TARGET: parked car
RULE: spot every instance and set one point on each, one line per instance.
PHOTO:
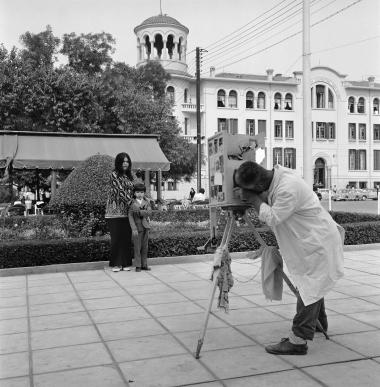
(372, 194)
(341, 194)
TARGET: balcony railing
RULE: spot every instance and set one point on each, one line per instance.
(191, 107)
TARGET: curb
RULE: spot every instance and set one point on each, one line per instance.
(103, 265)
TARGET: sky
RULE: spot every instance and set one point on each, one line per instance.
(348, 42)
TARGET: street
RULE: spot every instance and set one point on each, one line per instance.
(367, 206)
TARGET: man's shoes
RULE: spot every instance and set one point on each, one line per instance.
(138, 269)
(146, 268)
(126, 268)
(285, 347)
(115, 269)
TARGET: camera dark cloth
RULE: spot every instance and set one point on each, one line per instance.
(121, 242)
(305, 320)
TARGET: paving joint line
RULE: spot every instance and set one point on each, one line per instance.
(29, 333)
(114, 362)
(216, 378)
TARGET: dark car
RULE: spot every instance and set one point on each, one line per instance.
(315, 189)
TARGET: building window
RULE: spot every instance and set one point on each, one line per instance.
(232, 99)
(277, 101)
(376, 106)
(233, 125)
(289, 129)
(351, 184)
(262, 127)
(249, 100)
(331, 130)
(376, 160)
(278, 129)
(221, 98)
(277, 156)
(321, 96)
(261, 100)
(362, 132)
(250, 127)
(351, 105)
(170, 94)
(357, 160)
(172, 186)
(312, 130)
(185, 95)
(290, 158)
(362, 184)
(361, 105)
(186, 126)
(222, 125)
(229, 125)
(320, 130)
(376, 132)
(288, 102)
(330, 99)
(351, 131)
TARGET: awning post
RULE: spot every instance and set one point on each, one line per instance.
(53, 184)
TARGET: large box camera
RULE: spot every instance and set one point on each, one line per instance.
(226, 152)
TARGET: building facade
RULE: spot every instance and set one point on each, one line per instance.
(345, 114)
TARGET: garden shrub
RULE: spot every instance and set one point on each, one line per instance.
(81, 199)
(353, 217)
(35, 253)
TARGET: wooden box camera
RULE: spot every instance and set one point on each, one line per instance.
(226, 152)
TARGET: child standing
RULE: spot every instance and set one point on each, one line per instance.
(139, 212)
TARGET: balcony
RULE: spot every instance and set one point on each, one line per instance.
(191, 107)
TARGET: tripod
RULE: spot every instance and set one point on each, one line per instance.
(231, 211)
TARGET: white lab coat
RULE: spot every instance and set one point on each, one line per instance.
(308, 237)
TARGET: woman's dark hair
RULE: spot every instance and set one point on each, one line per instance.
(119, 164)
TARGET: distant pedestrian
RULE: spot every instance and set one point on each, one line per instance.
(139, 213)
(119, 199)
(192, 193)
(200, 196)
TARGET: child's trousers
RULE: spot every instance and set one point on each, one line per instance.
(140, 247)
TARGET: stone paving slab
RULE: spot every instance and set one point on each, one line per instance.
(99, 328)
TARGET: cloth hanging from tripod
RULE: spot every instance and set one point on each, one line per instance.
(271, 276)
(225, 279)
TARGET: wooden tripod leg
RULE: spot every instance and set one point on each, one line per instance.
(226, 237)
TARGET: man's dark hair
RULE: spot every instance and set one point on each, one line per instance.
(119, 164)
(249, 171)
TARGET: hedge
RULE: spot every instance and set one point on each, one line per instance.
(36, 253)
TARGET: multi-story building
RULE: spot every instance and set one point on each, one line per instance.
(345, 114)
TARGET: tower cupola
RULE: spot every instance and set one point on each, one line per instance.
(164, 39)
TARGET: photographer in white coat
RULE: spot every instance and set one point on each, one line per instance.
(309, 240)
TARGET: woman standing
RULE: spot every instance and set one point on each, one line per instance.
(119, 199)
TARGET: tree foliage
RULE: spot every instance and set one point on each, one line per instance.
(91, 94)
(88, 52)
(40, 48)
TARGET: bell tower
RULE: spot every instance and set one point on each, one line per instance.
(164, 39)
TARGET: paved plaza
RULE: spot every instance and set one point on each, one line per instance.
(97, 328)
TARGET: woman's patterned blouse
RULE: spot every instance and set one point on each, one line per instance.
(120, 196)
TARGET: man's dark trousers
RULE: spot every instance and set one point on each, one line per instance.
(305, 320)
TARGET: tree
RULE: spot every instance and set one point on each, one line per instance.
(40, 48)
(154, 76)
(88, 53)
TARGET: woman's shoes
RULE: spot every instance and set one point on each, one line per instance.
(115, 269)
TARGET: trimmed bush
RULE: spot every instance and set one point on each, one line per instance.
(353, 217)
(82, 197)
(35, 253)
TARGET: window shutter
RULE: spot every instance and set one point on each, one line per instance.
(294, 158)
